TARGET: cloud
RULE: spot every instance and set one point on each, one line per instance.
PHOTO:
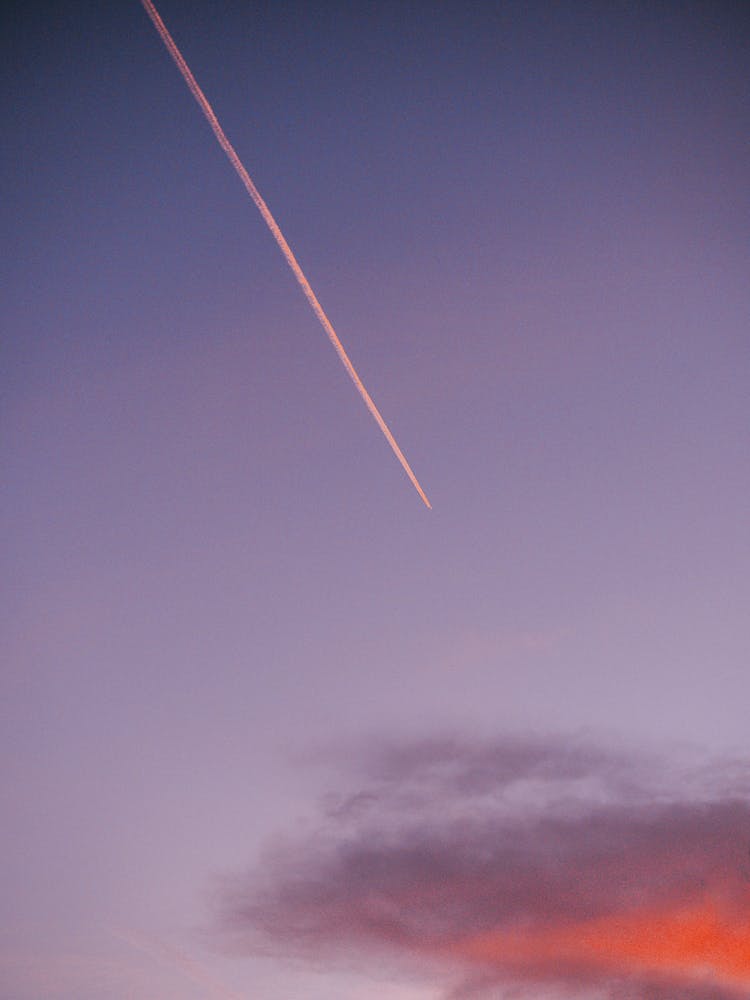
(522, 867)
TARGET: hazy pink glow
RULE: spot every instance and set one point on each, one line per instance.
(235, 655)
(279, 237)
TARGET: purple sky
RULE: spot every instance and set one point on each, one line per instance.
(529, 224)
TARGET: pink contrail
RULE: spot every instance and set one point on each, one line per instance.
(160, 950)
(269, 220)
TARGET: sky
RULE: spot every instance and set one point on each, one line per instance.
(270, 727)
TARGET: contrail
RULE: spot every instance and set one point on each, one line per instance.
(269, 220)
(160, 950)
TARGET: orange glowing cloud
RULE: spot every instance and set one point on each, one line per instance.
(684, 942)
(522, 865)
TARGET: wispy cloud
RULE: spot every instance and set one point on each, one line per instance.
(178, 959)
(525, 866)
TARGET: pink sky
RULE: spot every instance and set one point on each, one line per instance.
(528, 223)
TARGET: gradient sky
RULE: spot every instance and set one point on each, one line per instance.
(529, 224)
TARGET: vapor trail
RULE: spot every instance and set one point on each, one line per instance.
(161, 951)
(269, 220)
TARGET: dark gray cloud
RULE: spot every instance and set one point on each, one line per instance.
(523, 862)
